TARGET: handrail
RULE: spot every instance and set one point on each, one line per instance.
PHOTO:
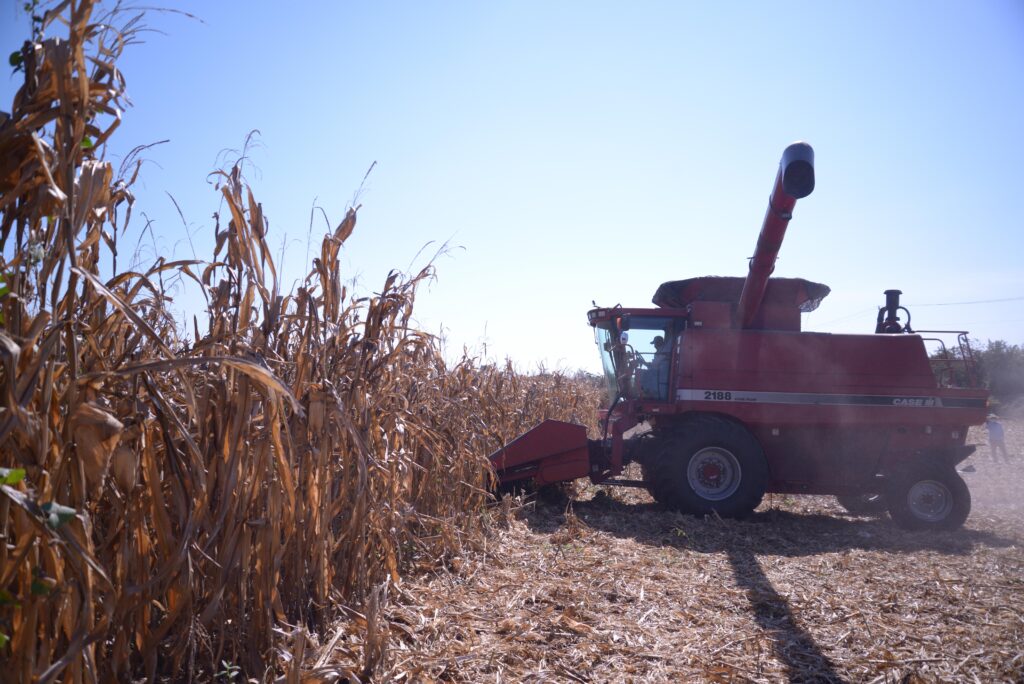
(948, 362)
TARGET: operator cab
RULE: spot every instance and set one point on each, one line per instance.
(635, 369)
(638, 352)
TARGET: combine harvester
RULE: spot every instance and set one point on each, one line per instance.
(721, 398)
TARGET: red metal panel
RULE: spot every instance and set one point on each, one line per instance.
(876, 371)
(565, 466)
(773, 316)
(711, 314)
(805, 362)
(551, 452)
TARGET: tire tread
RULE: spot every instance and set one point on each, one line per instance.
(665, 466)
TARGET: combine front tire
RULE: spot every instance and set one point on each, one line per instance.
(707, 465)
(931, 496)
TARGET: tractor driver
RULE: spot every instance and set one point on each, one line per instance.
(655, 378)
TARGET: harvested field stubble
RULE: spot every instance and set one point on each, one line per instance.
(172, 506)
(611, 588)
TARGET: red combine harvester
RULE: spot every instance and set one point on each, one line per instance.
(720, 397)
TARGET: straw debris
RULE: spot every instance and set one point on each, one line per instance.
(614, 588)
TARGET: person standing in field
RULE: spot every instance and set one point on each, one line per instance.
(996, 437)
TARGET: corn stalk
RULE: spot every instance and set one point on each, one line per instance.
(174, 502)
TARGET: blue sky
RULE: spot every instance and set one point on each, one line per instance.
(580, 151)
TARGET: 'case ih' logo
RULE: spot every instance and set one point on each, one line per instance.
(914, 401)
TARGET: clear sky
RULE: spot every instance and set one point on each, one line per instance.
(579, 151)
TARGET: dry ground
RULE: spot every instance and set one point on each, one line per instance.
(612, 588)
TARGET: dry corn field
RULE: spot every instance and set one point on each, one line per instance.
(192, 504)
(295, 488)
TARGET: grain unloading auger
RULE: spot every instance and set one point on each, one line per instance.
(721, 397)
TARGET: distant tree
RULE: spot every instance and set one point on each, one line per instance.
(1000, 367)
(1002, 370)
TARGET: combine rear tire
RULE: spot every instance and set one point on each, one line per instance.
(708, 465)
(862, 504)
(929, 497)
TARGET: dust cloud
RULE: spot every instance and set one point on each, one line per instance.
(996, 485)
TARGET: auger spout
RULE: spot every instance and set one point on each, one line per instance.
(795, 180)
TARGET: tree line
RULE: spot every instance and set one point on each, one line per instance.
(1001, 367)
(998, 366)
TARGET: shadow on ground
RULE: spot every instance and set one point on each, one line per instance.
(767, 533)
(772, 532)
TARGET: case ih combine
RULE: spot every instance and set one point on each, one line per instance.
(721, 397)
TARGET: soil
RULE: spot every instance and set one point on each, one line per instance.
(608, 587)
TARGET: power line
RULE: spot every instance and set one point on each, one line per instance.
(865, 311)
(980, 301)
